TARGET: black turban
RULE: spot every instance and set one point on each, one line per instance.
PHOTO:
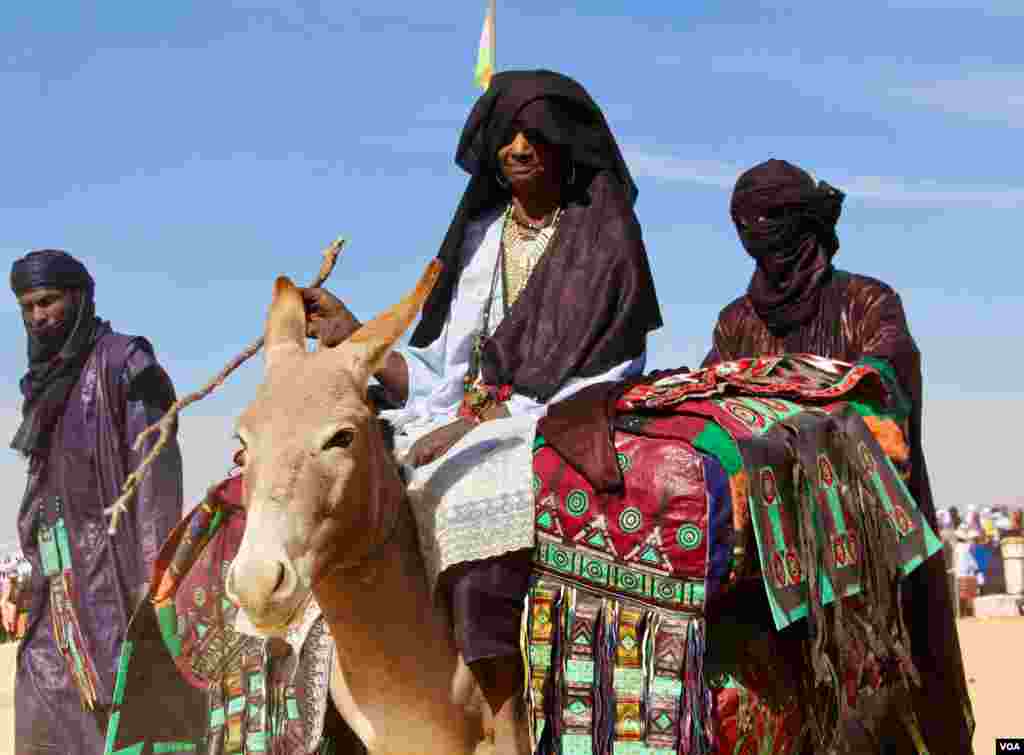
(54, 364)
(48, 268)
(787, 223)
(551, 104)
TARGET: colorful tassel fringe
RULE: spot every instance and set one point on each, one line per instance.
(606, 676)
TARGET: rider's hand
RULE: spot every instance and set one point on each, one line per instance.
(9, 613)
(327, 318)
(495, 411)
(436, 443)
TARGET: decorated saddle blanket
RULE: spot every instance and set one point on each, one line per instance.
(809, 444)
(789, 468)
(614, 631)
(249, 694)
(763, 420)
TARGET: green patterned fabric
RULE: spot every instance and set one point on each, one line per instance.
(803, 471)
(233, 696)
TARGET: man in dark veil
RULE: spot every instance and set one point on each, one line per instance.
(798, 302)
(546, 289)
(88, 393)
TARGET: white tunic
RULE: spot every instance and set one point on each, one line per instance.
(475, 502)
(437, 370)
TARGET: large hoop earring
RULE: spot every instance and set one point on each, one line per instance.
(500, 179)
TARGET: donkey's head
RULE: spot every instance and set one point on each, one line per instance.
(319, 480)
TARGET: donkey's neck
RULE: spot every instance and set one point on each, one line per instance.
(396, 650)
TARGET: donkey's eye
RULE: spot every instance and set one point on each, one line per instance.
(341, 439)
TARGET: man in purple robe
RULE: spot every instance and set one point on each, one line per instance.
(88, 393)
(797, 302)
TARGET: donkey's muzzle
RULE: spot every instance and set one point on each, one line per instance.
(265, 588)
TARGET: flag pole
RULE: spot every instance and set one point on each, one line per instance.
(485, 59)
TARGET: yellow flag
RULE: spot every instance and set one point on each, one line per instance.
(485, 57)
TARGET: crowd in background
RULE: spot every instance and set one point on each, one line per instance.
(974, 556)
(15, 571)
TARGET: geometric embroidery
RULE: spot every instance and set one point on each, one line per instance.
(253, 699)
(785, 568)
(547, 516)
(627, 544)
(630, 520)
(632, 692)
(689, 536)
(594, 538)
(825, 470)
(617, 591)
(844, 550)
(778, 495)
(648, 554)
(577, 502)
(744, 414)
(769, 489)
(590, 568)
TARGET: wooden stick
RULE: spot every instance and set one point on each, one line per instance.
(166, 423)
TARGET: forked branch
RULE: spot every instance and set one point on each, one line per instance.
(166, 424)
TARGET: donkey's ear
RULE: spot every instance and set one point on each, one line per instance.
(285, 332)
(367, 349)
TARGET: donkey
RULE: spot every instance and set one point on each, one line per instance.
(328, 518)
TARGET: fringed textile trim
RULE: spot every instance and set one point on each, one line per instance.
(834, 520)
(55, 553)
(606, 675)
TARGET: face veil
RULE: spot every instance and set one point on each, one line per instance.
(787, 222)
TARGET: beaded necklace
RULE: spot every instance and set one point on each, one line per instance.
(529, 244)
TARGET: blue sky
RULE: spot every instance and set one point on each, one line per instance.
(191, 152)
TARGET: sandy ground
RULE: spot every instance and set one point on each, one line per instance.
(993, 654)
(994, 660)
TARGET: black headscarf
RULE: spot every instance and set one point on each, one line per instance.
(558, 328)
(54, 362)
(787, 223)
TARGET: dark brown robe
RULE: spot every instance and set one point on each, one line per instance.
(862, 317)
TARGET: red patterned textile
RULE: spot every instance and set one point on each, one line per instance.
(658, 529)
(615, 635)
(259, 696)
(746, 726)
(802, 377)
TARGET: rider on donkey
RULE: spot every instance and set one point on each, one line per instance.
(797, 302)
(546, 289)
